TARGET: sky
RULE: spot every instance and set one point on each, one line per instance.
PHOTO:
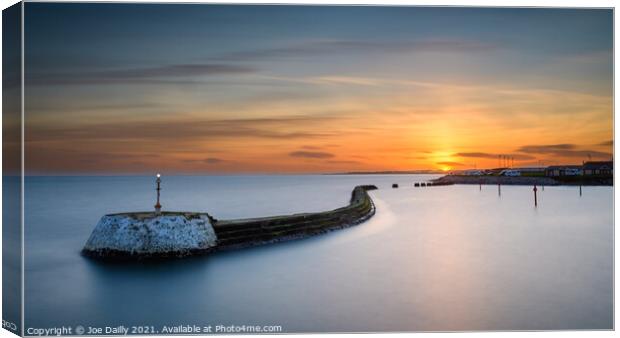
(233, 89)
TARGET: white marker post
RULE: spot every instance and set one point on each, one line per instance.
(158, 206)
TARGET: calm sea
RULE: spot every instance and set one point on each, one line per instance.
(440, 258)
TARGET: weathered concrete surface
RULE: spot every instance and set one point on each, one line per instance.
(149, 235)
(177, 234)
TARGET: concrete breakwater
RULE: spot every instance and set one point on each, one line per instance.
(176, 234)
(247, 232)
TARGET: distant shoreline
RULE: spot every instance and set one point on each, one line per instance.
(526, 180)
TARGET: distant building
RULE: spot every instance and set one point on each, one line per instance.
(563, 170)
(494, 171)
(511, 172)
(531, 170)
(473, 172)
(605, 168)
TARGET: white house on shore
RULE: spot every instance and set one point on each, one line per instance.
(510, 172)
(522, 171)
(563, 170)
(473, 172)
(604, 168)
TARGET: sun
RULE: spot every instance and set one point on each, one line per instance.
(445, 169)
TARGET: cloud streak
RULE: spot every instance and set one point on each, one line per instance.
(344, 162)
(547, 149)
(280, 128)
(331, 47)
(311, 154)
(563, 150)
(213, 160)
(176, 73)
(208, 160)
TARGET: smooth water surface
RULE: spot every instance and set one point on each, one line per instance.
(439, 258)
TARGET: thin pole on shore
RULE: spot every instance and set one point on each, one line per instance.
(499, 190)
(480, 186)
(579, 190)
(543, 187)
(158, 206)
(535, 198)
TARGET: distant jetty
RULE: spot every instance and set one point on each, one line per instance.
(140, 235)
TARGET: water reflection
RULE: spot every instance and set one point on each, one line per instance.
(439, 258)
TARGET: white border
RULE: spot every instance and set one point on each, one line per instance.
(469, 3)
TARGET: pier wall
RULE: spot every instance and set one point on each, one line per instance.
(138, 235)
(249, 232)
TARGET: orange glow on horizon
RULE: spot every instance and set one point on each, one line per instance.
(407, 133)
(300, 96)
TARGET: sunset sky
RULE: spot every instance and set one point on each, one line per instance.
(190, 89)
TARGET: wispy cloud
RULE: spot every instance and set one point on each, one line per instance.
(214, 160)
(546, 148)
(344, 162)
(61, 156)
(311, 147)
(97, 107)
(477, 155)
(208, 160)
(176, 73)
(285, 127)
(330, 47)
(345, 80)
(311, 154)
(563, 150)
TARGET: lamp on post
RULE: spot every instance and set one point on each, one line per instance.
(158, 206)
